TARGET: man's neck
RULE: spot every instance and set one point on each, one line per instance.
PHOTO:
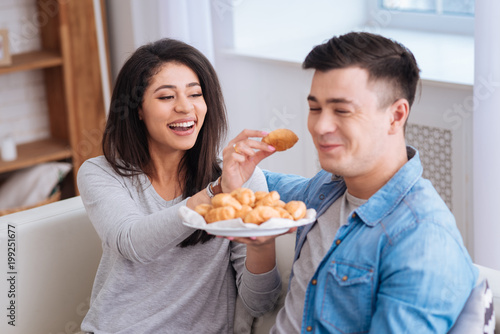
(364, 186)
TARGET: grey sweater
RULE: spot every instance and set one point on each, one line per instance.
(145, 283)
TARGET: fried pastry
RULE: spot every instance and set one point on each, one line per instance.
(223, 199)
(281, 139)
(245, 209)
(202, 209)
(279, 203)
(260, 195)
(261, 214)
(297, 209)
(283, 213)
(244, 195)
(270, 199)
(252, 207)
(220, 213)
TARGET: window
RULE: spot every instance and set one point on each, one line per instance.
(447, 16)
(438, 7)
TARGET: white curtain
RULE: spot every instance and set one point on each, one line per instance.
(189, 21)
(486, 134)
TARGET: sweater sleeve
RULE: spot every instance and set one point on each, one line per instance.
(119, 220)
(259, 292)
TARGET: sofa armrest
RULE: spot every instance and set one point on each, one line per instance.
(56, 252)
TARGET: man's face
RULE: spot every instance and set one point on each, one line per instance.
(349, 128)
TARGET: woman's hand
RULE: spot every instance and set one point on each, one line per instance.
(241, 156)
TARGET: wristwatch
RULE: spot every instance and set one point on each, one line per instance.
(214, 188)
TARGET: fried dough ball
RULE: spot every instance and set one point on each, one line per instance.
(244, 195)
(202, 209)
(245, 209)
(269, 199)
(220, 213)
(297, 209)
(251, 207)
(283, 213)
(223, 199)
(260, 195)
(279, 203)
(281, 139)
(261, 214)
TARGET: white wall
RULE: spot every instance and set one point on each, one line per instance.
(258, 22)
(486, 119)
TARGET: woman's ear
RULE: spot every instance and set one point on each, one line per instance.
(399, 114)
(140, 114)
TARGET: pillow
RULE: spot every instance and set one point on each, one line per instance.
(478, 315)
(31, 185)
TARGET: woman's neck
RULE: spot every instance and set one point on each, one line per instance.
(163, 172)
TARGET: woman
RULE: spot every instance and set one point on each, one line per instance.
(160, 146)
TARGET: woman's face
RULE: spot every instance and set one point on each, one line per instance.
(173, 109)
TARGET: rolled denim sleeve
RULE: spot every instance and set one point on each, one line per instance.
(425, 280)
(290, 187)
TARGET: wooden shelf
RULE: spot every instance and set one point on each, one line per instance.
(32, 61)
(30, 154)
(70, 59)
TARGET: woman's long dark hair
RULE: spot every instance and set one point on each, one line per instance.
(125, 140)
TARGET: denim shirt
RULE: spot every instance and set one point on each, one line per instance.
(399, 264)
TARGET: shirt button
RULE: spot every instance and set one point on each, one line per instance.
(338, 242)
(321, 197)
(309, 328)
(314, 282)
(344, 278)
(353, 215)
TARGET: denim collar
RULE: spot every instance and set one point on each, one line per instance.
(390, 195)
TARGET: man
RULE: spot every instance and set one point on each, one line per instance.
(384, 255)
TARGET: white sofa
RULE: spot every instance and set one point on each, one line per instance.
(57, 253)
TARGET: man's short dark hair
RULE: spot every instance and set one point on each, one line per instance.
(384, 59)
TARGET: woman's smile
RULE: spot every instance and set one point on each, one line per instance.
(182, 128)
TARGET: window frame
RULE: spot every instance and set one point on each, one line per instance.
(395, 19)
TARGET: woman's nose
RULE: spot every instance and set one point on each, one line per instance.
(183, 105)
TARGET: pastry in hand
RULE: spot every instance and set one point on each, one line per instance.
(220, 213)
(297, 209)
(281, 139)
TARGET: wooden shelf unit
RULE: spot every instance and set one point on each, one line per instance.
(33, 61)
(69, 59)
(36, 152)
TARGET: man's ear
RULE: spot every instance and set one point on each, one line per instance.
(399, 111)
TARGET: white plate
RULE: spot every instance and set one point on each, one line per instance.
(237, 228)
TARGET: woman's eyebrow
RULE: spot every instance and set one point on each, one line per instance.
(191, 84)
